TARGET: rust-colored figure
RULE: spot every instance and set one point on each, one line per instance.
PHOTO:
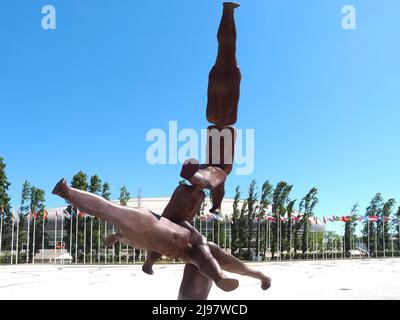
(171, 234)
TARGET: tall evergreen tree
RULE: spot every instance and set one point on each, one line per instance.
(307, 206)
(235, 222)
(265, 202)
(396, 226)
(5, 207)
(37, 207)
(350, 227)
(80, 182)
(95, 184)
(252, 210)
(242, 229)
(23, 214)
(280, 200)
(124, 196)
(105, 192)
(374, 209)
(384, 225)
(289, 225)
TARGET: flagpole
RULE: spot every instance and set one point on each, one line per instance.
(62, 238)
(12, 238)
(369, 250)
(113, 252)
(34, 238)
(307, 238)
(70, 235)
(279, 233)
(206, 229)
(290, 241)
(376, 241)
(43, 236)
(27, 238)
(84, 238)
(258, 238)
(213, 230)
(105, 247)
(76, 235)
(119, 253)
(383, 236)
(55, 238)
(17, 244)
(1, 228)
(218, 232)
(98, 242)
(225, 234)
(91, 239)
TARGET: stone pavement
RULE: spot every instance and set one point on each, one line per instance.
(341, 279)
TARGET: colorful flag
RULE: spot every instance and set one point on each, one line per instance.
(270, 218)
(283, 219)
(373, 218)
(81, 214)
(325, 222)
(216, 217)
(67, 213)
(35, 215)
(45, 215)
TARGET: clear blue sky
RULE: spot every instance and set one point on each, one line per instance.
(324, 102)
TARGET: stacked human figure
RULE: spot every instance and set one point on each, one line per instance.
(171, 234)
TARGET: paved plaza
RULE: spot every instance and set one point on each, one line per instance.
(348, 279)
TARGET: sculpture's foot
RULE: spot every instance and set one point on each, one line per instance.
(227, 284)
(148, 267)
(60, 188)
(231, 5)
(266, 283)
(216, 210)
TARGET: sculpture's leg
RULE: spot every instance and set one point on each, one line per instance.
(217, 195)
(200, 256)
(224, 79)
(89, 202)
(231, 264)
(227, 35)
(142, 228)
(194, 285)
(152, 257)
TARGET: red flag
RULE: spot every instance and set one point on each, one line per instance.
(35, 215)
(325, 220)
(373, 218)
(270, 218)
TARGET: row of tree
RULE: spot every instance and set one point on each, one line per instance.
(252, 234)
(249, 233)
(33, 204)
